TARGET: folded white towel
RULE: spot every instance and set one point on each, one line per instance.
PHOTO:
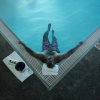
(50, 71)
(11, 60)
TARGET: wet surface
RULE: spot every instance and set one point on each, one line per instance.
(81, 83)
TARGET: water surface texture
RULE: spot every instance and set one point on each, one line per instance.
(72, 20)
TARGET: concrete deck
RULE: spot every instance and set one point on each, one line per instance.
(81, 83)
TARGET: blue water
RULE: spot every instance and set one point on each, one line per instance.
(72, 20)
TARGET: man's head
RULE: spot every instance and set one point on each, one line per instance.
(50, 57)
(50, 61)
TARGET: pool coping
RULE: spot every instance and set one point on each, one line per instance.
(36, 65)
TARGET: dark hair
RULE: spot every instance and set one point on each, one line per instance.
(50, 65)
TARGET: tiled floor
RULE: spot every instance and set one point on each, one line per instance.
(81, 83)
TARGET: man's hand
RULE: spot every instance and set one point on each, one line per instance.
(80, 43)
(20, 42)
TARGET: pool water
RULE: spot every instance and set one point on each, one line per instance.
(72, 20)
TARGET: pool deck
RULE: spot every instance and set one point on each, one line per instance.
(64, 67)
(82, 82)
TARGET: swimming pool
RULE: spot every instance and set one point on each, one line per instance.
(72, 20)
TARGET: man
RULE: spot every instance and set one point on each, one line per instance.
(50, 52)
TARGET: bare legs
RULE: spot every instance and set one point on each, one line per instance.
(46, 43)
(54, 43)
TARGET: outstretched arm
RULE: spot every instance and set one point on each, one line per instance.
(32, 53)
(67, 54)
